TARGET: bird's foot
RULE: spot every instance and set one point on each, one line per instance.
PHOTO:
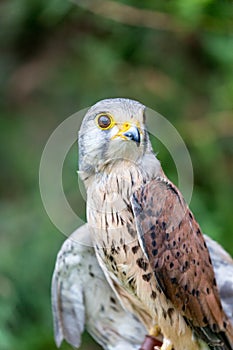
(167, 344)
(155, 331)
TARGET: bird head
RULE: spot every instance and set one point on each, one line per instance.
(112, 130)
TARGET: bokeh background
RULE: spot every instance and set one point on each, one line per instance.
(58, 57)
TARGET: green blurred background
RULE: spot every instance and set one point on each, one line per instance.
(58, 57)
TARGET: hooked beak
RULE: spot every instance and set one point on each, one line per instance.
(130, 132)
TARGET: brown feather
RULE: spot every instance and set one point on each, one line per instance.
(179, 256)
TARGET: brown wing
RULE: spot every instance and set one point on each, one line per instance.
(174, 244)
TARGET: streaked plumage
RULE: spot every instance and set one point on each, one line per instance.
(122, 176)
(78, 279)
(81, 297)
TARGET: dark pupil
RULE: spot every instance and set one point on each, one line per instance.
(104, 121)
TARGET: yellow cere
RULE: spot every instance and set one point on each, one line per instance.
(127, 125)
(123, 127)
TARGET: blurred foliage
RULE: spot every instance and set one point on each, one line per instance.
(58, 57)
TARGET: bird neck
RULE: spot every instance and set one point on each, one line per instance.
(145, 169)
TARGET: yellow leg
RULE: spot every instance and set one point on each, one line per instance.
(167, 344)
(155, 331)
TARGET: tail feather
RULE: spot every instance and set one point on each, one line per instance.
(215, 340)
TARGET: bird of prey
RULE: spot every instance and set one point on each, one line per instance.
(81, 296)
(146, 239)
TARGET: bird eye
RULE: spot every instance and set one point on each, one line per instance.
(105, 121)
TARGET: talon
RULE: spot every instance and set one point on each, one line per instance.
(167, 344)
(155, 331)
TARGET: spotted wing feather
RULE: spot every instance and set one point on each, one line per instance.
(67, 294)
(82, 298)
(178, 254)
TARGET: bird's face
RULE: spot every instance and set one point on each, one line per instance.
(112, 130)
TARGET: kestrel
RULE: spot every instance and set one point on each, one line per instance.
(146, 239)
(81, 295)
